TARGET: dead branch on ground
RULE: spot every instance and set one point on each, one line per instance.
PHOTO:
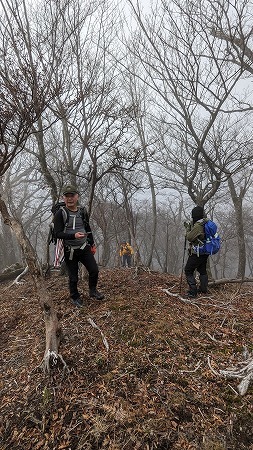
(94, 325)
(243, 372)
(18, 278)
(184, 300)
(10, 275)
(230, 280)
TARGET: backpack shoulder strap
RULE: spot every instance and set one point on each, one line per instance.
(84, 214)
(65, 215)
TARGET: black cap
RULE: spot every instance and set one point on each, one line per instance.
(197, 213)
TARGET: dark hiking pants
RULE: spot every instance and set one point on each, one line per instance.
(198, 263)
(126, 260)
(85, 257)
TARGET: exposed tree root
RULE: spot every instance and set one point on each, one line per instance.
(51, 360)
(140, 268)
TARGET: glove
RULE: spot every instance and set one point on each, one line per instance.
(93, 249)
(187, 226)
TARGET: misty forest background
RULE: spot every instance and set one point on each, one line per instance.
(147, 107)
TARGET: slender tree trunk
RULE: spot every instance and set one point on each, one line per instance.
(152, 189)
(165, 269)
(237, 201)
(141, 133)
(132, 232)
(38, 133)
(106, 251)
(53, 331)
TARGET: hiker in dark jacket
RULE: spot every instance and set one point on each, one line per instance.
(195, 235)
(78, 244)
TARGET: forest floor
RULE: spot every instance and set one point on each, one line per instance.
(147, 378)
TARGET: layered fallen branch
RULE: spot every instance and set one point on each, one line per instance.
(211, 303)
(245, 374)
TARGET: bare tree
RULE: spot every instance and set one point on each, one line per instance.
(238, 190)
(95, 118)
(231, 22)
(25, 93)
(195, 96)
(140, 114)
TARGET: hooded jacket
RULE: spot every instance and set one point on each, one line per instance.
(196, 235)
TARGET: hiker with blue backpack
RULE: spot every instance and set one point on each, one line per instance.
(71, 224)
(203, 241)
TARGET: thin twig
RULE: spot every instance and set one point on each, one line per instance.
(210, 367)
(94, 325)
(194, 370)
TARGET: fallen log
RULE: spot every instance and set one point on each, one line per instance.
(11, 275)
(230, 280)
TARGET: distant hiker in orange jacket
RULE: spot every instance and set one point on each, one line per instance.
(126, 252)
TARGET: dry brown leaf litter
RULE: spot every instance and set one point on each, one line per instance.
(150, 388)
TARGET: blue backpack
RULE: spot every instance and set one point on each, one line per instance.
(212, 242)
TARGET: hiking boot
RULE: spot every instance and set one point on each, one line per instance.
(95, 294)
(200, 291)
(191, 294)
(77, 302)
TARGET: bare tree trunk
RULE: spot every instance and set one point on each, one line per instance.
(53, 331)
(39, 135)
(140, 129)
(166, 262)
(132, 232)
(237, 201)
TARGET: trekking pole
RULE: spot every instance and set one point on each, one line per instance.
(181, 278)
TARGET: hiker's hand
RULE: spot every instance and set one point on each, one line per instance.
(93, 249)
(187, 226)
(79, 235)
